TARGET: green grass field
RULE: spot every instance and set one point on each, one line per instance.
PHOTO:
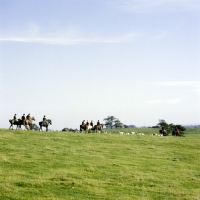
(59, 165)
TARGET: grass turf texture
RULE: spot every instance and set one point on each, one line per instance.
(59, 165)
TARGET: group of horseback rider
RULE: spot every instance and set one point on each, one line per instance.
(27, 122)
(89, 123)
(90, 126)
(176, 131)
(23, 117)
(28, 117)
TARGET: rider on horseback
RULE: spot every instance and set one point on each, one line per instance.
(177, 130)
(44, 120)
(23, 118)
(91, 123)
(163, 131)
(15, 118)
(28, 116)
(83, 123)
(98, 123)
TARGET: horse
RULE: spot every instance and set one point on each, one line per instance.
(20, 123)
(13, 122)
(28, 122)
(85, 127)
(97, 127)
(177, 133)
(82, 127)
(45, 124)
(163, 132)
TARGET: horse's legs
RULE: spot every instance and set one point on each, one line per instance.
(26, 126)
(82, 128)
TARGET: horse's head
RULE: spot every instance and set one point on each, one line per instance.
(33, 118)
(50, 122)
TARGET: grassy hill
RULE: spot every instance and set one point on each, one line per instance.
(59, 165)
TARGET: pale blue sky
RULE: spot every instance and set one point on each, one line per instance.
(89, 59)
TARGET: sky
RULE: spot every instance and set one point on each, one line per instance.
(137, 60)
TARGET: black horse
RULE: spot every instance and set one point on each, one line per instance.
(45, 124)
(177, 133)
(163, 132)
(82, 127)
(13, 122)
(18, 123)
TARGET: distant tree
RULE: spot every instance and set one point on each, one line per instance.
(131, 126)
(162, 123)
(125, 126)
(109, 121)
(155, 126)
(35, 127)
(118, 124)
(180, 127)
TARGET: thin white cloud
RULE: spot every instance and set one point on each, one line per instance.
(66, 37)
(148, 6)
(69, 41)
(165, 101)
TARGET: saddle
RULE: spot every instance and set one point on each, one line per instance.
(44, 123)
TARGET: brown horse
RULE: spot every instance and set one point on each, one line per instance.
(28, 122)
(97, 127)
